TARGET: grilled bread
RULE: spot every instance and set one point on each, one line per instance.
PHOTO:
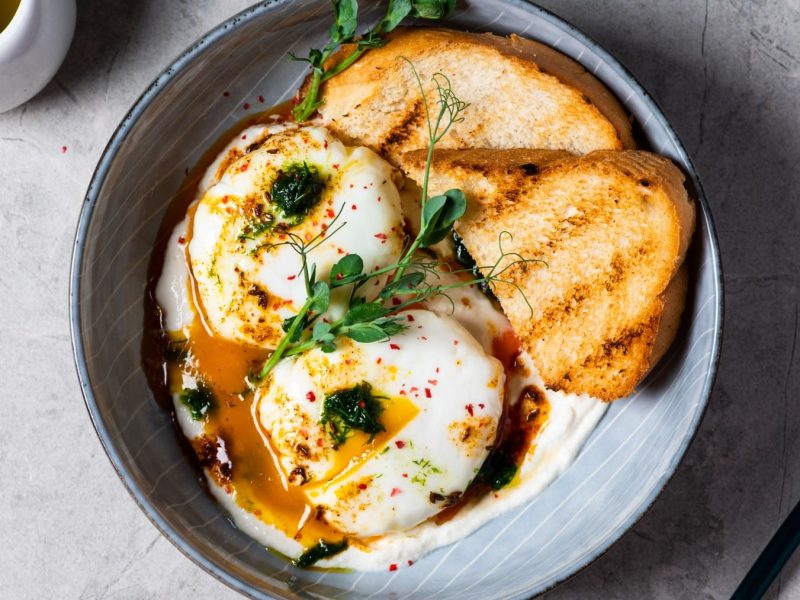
(521, 94)
(610, 230)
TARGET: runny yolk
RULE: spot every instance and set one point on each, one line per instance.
(358, 449)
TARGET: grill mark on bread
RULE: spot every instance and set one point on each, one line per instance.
(404, 129)
(622, 343)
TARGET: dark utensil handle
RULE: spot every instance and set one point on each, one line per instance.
(771, 560)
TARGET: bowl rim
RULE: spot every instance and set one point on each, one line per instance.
(228, 27)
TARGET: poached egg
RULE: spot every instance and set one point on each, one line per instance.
(243, 250)
(441, 398)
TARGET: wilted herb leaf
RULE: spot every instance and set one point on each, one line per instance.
(322, 549)
(199, 400)
(354, 408)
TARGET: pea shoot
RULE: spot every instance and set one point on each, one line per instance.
(343, 32)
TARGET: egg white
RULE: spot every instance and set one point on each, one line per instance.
(248, 287)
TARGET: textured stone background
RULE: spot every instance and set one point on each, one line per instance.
(726, 72)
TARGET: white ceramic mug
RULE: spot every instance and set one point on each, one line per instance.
(32, 47)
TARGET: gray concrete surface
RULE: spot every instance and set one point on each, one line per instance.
(726, 72)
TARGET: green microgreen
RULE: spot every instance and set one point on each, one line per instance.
(343, 31)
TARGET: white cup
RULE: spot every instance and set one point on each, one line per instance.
(32, 47)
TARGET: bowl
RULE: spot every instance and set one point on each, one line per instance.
(624, 464)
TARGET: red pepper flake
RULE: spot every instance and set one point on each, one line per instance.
(366, 187)
(339, 276)
(403, 393)
(261, 99)
(395, 491)
(244, 136)
(481, 406)
(455, 342)
(335, 166)
(226, 94)
(410, 562)
(433, 381)
(325, 144)
(400, 443)
(354, 207)
(413, 389)
(361, 404)
(379, 198)
(427, 392)
(469, 410)
(330, 213)
(324, 226)
(319, 442)
(362, 486)
(423, 338)
(181, 240)
(381, 236)
(244, 167)
(437, 369)
(394, 346)
(352, 186)
(393, 567)
(379, 361)
(396, 301)
(340, 251)
(246, 106)
(63, 149)
(291, 277)
(311, 397)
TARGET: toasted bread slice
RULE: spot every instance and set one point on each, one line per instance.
(610, 228)
(521, 94)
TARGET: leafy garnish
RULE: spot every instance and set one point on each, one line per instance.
(426, 469)
(343, 31)
(498, 469)
(256, 228)
(199, 400)
(354, 408)
(322, 549)
(465, 259)
(296, 189)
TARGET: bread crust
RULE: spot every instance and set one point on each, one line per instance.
(611, 230)
(521, 94)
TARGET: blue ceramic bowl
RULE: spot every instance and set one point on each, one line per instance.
(625, 463)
